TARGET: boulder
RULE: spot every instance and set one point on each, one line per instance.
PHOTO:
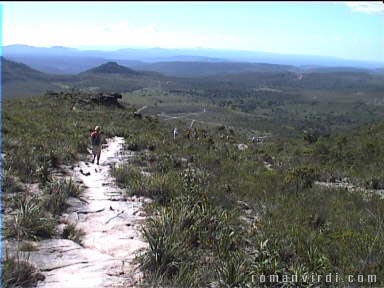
(107, 99)
(242, 147)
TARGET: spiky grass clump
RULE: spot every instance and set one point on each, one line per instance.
(129, 177)
(19, 273)
(158, 187)
(56, 194)
(72, 233)
(29, 221)
(183, 233)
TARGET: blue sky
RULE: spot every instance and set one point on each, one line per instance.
(352, 30)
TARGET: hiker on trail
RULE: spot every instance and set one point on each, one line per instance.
(175, 133)
(96, 144)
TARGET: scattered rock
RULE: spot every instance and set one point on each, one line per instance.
(243, 205)
(85, 174)
(242, 147)
(90, 211)
(71, 218)
(60, 228)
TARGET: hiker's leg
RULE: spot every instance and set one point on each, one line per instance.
(94, 152)
(98, 154)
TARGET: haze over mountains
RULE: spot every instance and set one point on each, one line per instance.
(21, 80)
(172, 62)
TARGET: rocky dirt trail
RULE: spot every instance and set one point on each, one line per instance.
(350, 187)
(339, 184)
(111, 225)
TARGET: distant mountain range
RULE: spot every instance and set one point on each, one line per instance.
(20, 80)
(172, 62)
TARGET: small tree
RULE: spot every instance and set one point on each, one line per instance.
(302, 177)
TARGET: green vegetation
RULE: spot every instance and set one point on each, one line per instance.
(230, 218)
(29, 221)
(40, 135)
(220, 216)
(72, 233)
(56, 193)
(18, 273)
(355, 155)
(280, 99)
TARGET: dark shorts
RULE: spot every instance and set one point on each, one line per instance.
(96, 149)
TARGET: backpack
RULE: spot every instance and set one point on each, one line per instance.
(95, 138)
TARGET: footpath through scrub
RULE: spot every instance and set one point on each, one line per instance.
(110, 222)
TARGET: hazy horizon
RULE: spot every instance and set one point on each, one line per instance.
(349, 30)
(112, 49)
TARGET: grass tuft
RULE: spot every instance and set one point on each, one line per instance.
(29, 221)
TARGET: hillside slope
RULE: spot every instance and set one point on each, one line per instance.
(19, 80)
(202, 69)
(224, 208)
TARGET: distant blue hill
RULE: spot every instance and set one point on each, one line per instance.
(65, 60)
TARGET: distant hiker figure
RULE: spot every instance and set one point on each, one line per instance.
(175, 133)
(189, 130)
(96, 144)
